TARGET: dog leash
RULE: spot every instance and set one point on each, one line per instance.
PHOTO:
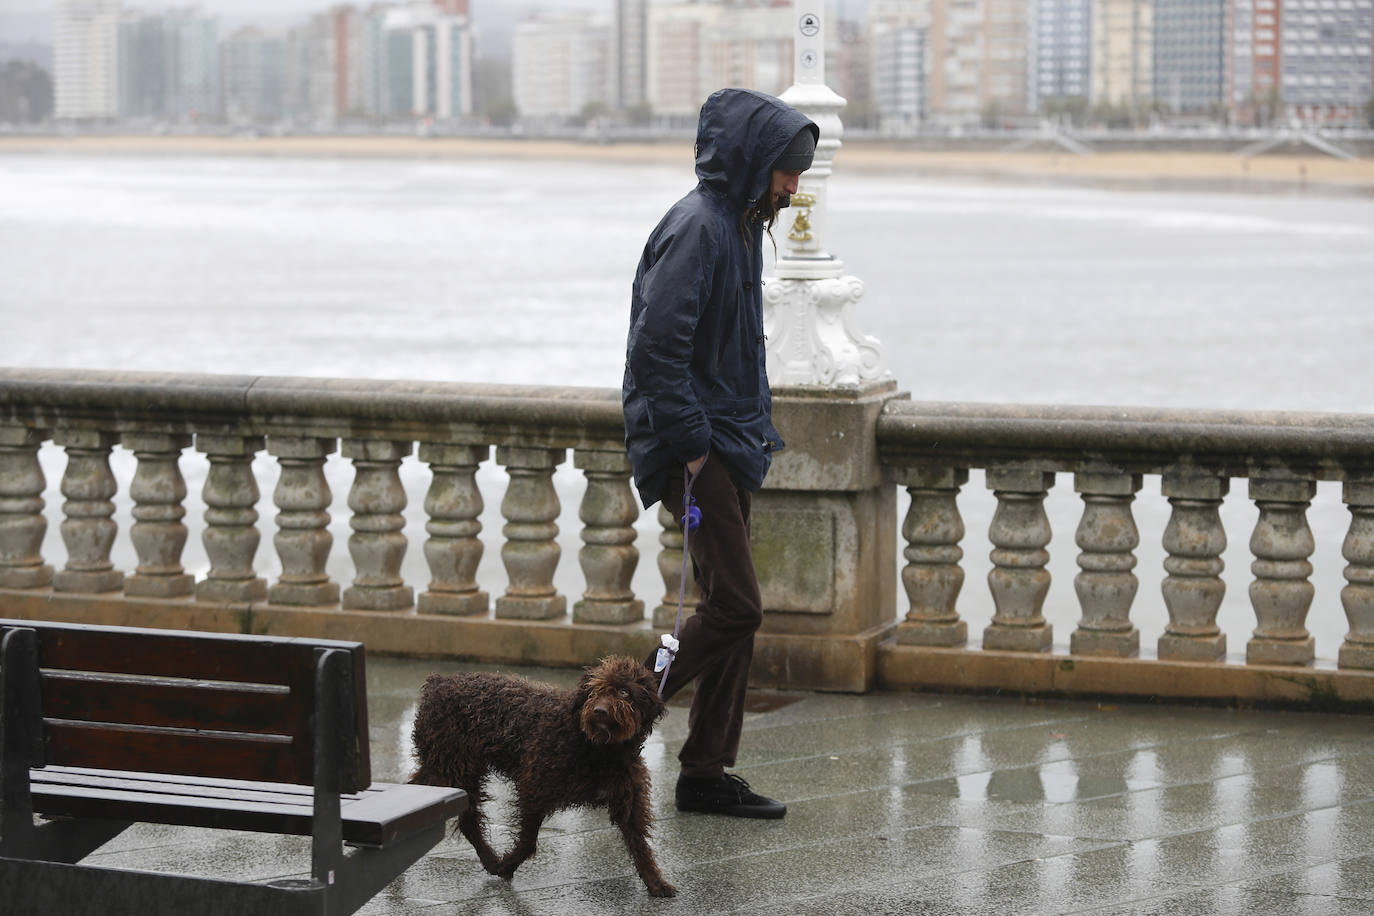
(691, 520)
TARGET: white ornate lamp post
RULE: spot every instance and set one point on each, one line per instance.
(808, 305)
(824, 527)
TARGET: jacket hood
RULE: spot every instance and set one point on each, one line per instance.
(740, 135)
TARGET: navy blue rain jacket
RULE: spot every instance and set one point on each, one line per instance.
(695, 381)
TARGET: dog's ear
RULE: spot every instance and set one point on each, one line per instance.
(583, 691)
(650, 704)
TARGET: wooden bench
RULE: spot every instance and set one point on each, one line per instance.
(104, 727)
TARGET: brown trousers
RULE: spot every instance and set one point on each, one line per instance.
(717, 641)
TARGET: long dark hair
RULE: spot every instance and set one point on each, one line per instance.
(764, 213)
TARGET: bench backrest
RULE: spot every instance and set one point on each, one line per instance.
(195, 704)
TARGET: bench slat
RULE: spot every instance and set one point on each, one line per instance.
(175, 784)
(267, 758)
(216, 706)
(375, 817)
(172, 654)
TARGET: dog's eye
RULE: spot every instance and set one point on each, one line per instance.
(624, 694)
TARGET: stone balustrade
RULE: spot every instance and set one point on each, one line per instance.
(1110, 453)
(855, 597)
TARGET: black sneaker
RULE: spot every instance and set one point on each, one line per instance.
(728, 794)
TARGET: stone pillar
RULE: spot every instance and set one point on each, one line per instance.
(1193, 588)
(932, 576)
(530, 553)
(231, 536)
(22, 524)
(670, 568)
(1281, 593)
(158, 534)
(1020, 531)
(377, 544)
(453, 551)
(608, 557)
(302, 539)
(88, 529)
(1358, 595)
(1106, 587)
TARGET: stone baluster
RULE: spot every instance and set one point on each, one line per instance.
(1281, 593)
(88, 529)
(1020, 531)
(302, 539)
(670, 568)
(1358, 595)
(22, 524)
(453, 550)
(608, 557)
(530, 553)
(1107, 538)
(1193, 588)
(158, 534)
(932, 576)
(231, 536)
(377, 545)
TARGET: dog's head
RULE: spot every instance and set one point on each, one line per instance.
(618, 701)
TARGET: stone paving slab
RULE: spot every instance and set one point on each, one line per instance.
(915, 803)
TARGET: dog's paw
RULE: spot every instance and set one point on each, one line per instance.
(662, 889)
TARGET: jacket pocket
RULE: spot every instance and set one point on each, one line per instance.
(737, 408)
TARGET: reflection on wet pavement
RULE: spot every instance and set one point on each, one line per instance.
(915, 803)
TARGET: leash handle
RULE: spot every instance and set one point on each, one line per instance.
(691, 518)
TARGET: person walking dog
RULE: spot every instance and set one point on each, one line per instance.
(698, 411)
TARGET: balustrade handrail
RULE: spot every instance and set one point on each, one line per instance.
(1332, 446)
(544, 415)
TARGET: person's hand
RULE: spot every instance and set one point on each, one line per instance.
(693, 467)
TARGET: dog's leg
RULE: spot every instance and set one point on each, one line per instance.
(470, 825)
(531, 819)
(631, 812)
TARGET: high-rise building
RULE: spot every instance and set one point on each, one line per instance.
(193, 90)
(899, 77)
(630, 37)
(957, 46)
(677, 82)
(253, 67)
(86, 59)
(144, 66)
(561, 64)
(1059, 52)
(414, 62)
(1324, 71)
(310, 71)
(1189, 65)
(1122, 54)
(1252, 66)
(696, 48)
(1004, 91)
(848, 70)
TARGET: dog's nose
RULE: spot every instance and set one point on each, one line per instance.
(601, 709)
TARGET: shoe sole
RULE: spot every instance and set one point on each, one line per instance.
(769, 814)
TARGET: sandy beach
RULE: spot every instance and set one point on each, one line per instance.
(1147, 168)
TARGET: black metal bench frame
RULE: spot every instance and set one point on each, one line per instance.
(104, 727)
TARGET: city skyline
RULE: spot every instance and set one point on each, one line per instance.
(907, 66)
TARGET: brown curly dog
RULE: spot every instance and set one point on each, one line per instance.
(561, 749)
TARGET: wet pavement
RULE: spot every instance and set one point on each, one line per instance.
(914, 803)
